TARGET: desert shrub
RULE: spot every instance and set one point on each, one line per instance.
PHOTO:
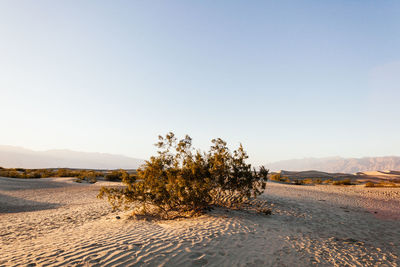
(46, 173)
(370, 184)
(381, 184)
(33, 174)
(275, 177)
(62, 173)
(309, 181)
(342, 182)
(298, 182)
(117, 175)
(88, 176)
(12, 174)
(183, 180)
(27, 173)
(279, 178)
(67, 173)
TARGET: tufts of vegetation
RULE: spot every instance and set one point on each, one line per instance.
(298, 182)
(46, 173)
(381, 184)
(117, 175)
(184, 181)
(343, 182)
(68, 173)
(88, 176)
(317, 181)
(307, 181)
(279, 178)
(26, 173)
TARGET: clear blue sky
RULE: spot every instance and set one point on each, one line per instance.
(288, 79)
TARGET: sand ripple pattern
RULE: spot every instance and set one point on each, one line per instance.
(309, 227)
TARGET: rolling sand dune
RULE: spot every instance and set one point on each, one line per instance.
(384, 175)
(57, 222)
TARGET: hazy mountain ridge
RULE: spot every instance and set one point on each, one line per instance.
(13, 157)
(338, 164)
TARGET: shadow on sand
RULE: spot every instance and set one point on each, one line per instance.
(9, 204)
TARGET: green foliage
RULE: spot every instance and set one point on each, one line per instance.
(276, 177)
(67, 173)
(298, 182)
(279, 178)
(33, 174)
(26, 173)
(117, 175)
(311, 181)
(317, 181)
(370, 184)
(181, 179)
(342, 182)
(45, 173)
(88, 176)
(382, 184)
(11, 173)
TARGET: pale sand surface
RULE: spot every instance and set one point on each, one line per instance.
(58, 222)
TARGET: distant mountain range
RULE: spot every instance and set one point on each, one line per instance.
(338, 164)
(17, 157)
(13, 157)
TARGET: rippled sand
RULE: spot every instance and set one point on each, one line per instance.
(59, 222)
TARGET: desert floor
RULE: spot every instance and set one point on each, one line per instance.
(58, 222)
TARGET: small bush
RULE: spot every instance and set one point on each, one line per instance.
(68, 173)
(318, 181)
(117, 175)
(308, 181)
(33, 174)
(381, 184)
(279, 178)
(46, 173)
(88, 176)
(370, 184)
(187, 181)
(298, 182)
(342, 182)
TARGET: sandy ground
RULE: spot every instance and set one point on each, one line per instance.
(58, 222)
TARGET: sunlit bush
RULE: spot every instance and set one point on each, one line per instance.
(181, 179)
